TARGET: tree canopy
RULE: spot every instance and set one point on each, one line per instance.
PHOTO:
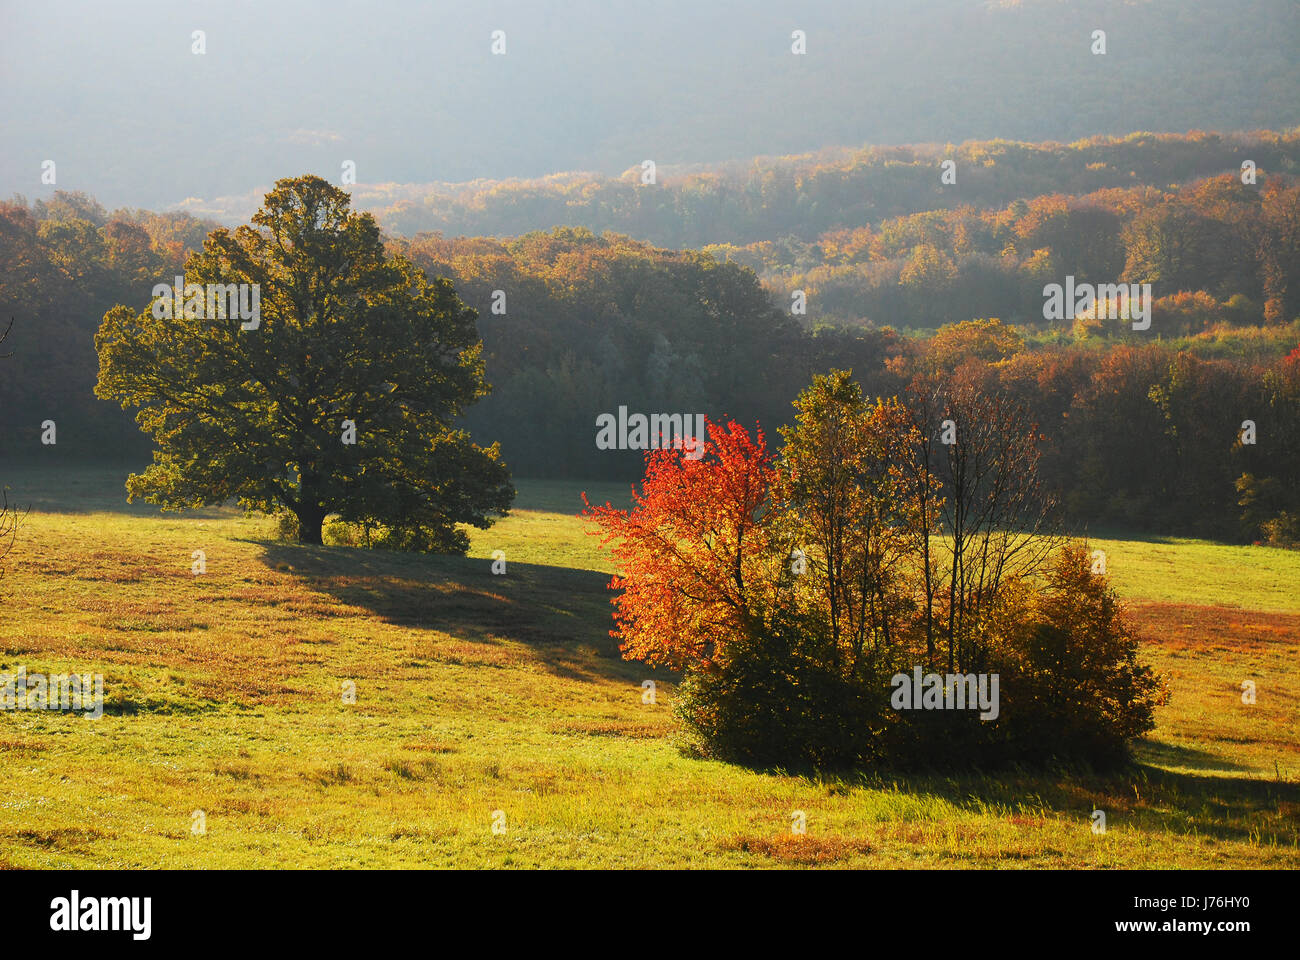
(339, 398)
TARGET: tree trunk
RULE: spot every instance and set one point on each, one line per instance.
(310, 520)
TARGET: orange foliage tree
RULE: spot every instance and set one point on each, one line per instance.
(698, 549)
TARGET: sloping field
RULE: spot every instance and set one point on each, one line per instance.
(485, 700)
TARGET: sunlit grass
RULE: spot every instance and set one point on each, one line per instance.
(479, 693)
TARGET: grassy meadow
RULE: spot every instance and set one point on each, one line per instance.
(485, 699)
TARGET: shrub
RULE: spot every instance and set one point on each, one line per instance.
(1070, 689)
(1282, 530)
(773, 701)
(792, 590)
(1071, 684)
(284, 526)
(340, 533)
(422, 538)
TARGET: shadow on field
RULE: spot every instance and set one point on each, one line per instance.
(1172, 755)
(1134, 798)
(562, 613)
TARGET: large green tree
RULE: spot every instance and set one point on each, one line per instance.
(340, 398)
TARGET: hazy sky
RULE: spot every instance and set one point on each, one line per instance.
(412, 93)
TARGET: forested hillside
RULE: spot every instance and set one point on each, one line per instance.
(1144, 423)
(1144, 428)
(806, 196)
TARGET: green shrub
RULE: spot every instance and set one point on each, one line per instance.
(1070, 689)
(1071, 685)
(284, 526)
(1282, 530)
(773, 701)
(340, 533)
(422, 538)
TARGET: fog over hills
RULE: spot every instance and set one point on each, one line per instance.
(412, 93)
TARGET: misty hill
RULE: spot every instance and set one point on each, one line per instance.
(413, 94)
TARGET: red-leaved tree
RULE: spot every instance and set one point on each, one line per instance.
(696, 549)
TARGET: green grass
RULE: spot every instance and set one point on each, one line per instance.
(1172, 570)
(479, 693)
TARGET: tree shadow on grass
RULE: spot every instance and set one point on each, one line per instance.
(1137, 797)
(561, 613)
(1155, 753)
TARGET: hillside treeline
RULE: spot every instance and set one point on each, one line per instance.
(804, 197)
(1144, 428)
(63, 263)
(1144, 432)
(1214, 250)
